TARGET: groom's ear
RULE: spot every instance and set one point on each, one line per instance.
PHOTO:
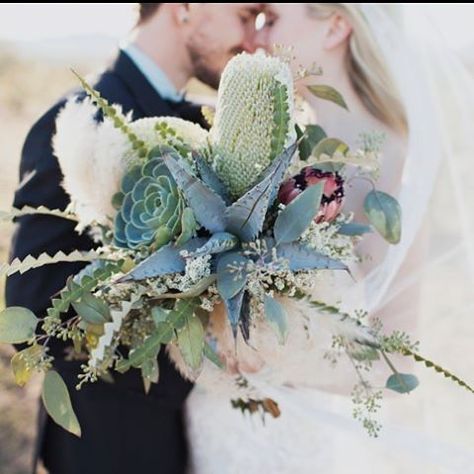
(338, 31)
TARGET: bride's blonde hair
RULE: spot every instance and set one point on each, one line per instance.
(366, 68)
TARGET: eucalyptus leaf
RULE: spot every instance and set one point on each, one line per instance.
(385, 214)
(191, 342)
(308, 139)
(329, 146)
(92, 309)
(207, 205)
(402, 383)
(277, 317)
(229, 281)
(328, 93)
(21, 371)
(17, 324)
(298, 214)
(210, 354)
(57, 402)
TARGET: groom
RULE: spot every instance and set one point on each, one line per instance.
(123, 430)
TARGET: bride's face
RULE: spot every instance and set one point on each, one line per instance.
(313, 40)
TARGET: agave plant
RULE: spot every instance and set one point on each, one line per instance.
(151, 209)
(233, 225)
(254, 119)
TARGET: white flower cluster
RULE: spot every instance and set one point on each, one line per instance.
(324, 238)
(90, 153)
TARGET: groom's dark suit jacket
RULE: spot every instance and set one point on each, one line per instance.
(124, 430)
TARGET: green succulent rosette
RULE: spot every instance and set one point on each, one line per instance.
(150, 206)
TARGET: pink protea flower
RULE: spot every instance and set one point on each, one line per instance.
(333, 193)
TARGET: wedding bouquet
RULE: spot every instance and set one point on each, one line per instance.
(247, 214)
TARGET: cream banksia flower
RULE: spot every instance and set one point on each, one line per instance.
(254, 119)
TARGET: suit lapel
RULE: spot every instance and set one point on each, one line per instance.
(148, 100)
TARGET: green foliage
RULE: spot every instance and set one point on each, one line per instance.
(91, 309)
(191, 340)
(115, 116)
(385, 214)
(58, 403)
(402, 383)
(328, 93)
(277, 317)
(308, 139)
(281, 119)
(17, 325)
(75, 291)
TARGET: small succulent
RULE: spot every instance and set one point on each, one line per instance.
(150, 206)
(254, 119)
(333, 192)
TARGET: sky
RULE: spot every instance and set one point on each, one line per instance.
(29, 21)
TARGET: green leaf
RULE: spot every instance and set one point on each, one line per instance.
(92, 309)
(188, 226)
(21, 370)
(308, 139)
(58, 403)
(162, 236)
(191, 341)
(385, 214)
(230, 282)
(277, 317)
(212, 355)
(17, 325)
(328, 147)
(281, 118)
(297, 216)
(402, 383)
(328, 93)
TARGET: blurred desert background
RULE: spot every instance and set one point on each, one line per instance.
(34, 73)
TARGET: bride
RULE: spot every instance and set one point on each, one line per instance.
(365, 53)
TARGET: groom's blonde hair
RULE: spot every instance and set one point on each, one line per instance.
(366, 67)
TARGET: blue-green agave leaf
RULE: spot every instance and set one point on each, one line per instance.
(210, 178)
(234, 310)
(301, 257)
(164, 261)
(208, 207)
(230, 282)
(298, 214)
(218, 243)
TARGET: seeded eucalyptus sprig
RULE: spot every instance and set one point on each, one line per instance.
(119, 121)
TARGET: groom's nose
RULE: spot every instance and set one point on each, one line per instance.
(262, 39)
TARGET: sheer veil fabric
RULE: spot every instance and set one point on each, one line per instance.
(431, 430)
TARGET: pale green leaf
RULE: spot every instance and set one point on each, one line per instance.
(191, 342)
(328, 93)
(402, 383)
(58, 403)
(385, 214)
(17, 325)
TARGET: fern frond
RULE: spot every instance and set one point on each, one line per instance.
(27, 210)
(30, 262)
(118, 119)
